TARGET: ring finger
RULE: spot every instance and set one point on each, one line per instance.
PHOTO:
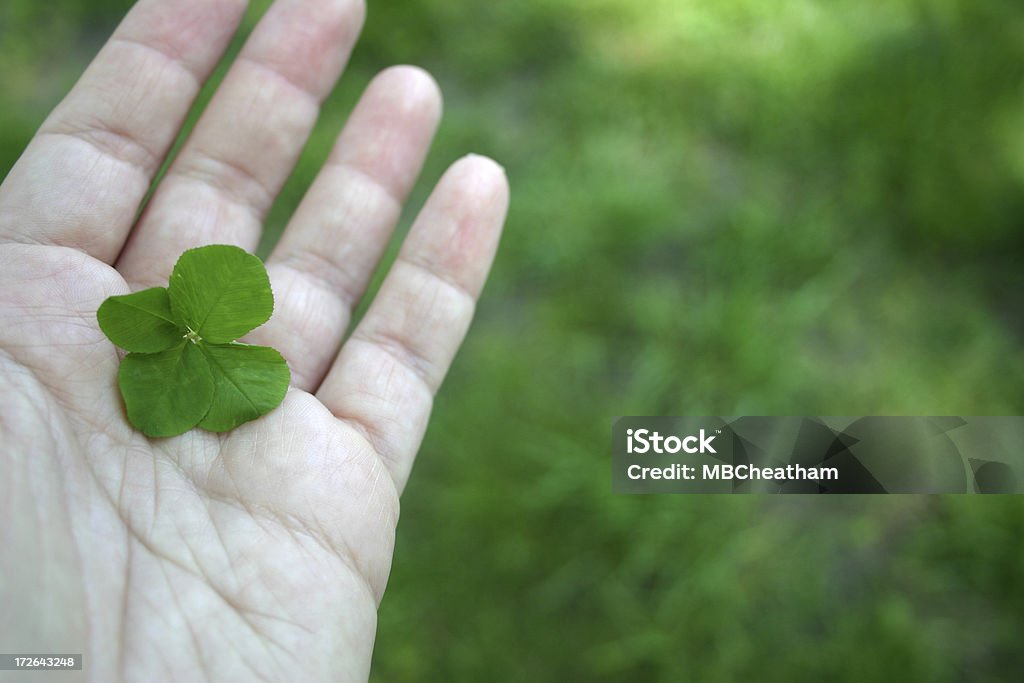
(329, 251)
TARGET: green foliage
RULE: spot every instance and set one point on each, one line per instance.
(249, 381)
(142, 322)
(220, 292)
(185, 369)
(166, 393)
(725, 206)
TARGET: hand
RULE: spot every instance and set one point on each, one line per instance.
(261, 553)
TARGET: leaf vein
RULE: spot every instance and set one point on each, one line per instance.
(213, 361)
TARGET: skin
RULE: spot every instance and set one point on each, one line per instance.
(260, 554)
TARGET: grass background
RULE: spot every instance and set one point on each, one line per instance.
(728, 207)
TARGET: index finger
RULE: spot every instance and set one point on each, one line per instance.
(83, 176)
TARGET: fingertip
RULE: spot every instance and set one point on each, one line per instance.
(415, 88)
(459, 228)
(390, 130)
(483, 161)
(483, 176)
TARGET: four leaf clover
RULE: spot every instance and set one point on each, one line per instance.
(184, 367)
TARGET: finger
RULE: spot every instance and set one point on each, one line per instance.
(325, 258)
(245, 144)
(385, 377)
(83, 176)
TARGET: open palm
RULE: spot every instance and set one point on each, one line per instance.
(261, 553)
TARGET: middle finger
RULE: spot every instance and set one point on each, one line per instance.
(248, 139)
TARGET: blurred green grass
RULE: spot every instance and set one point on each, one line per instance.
(731, 207)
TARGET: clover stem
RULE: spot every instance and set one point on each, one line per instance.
(192, 335)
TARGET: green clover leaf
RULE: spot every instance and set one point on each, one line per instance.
(185, 368)
(141, 322)
(166, 393)
(248, 381)
(220, 292)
